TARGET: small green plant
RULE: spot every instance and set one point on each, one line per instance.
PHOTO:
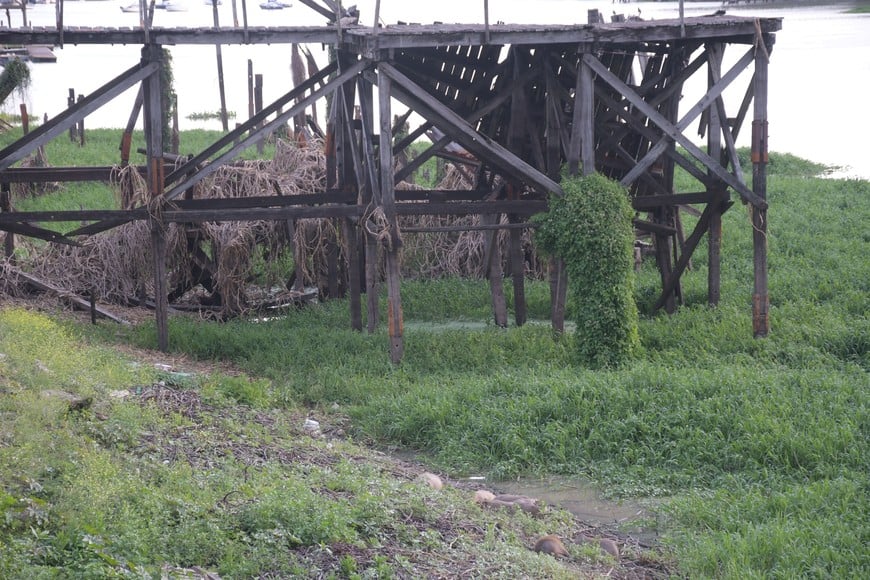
(590, 229)
(15, 75)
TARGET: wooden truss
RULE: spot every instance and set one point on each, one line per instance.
(520, 101)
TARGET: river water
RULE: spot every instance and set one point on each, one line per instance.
(820, 64)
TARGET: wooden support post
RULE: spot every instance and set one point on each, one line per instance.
(70, 102)
(331, 241)
(393, 240)
(714, 150)
(494, 271)
(515, 140)
(220, 71)
(6, 207)
(174, 143)
(556, 266)
(671, 108)
(582, 147)
(518, 265)
(351, 244)
(371, 195)
(760, 298)
(663, 259)
(25, 119)
(81, 125)
(336, 142)
(258, 103)
(250, 88)
(153, 114)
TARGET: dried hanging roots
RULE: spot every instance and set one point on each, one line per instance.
(116, 265)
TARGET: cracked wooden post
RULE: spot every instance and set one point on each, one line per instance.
(714, 149)
(372, 197)
(153, 116)
(760, 297)
(392, 240)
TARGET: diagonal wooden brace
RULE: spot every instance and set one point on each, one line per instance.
(674, 132)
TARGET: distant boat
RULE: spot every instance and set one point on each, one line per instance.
(274, 5)
(130, 8)
(171, 6)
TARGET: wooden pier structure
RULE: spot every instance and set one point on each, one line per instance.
(522, 100)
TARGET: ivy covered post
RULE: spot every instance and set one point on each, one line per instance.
(590, 229)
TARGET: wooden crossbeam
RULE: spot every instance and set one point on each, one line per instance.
(412, 94)
(26, 229)
(492, 104)
(194, 163)
(715, 90)
(673, 132)
(59, 124)
(638, 125)
(688, 249)
(74, 299)
(267, 129)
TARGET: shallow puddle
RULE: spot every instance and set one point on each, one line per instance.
(584, 500)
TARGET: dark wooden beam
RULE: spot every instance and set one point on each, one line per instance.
(675, 133)
(648, 202)
(252, 124)
(75, 300)
(683, 261)
(59, 124)
(256, 135)
(414, 96)
(493, 102)
(26, 229)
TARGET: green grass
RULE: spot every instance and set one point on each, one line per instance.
(757, 449)
(152, 479)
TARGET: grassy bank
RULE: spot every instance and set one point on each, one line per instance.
(756, 449)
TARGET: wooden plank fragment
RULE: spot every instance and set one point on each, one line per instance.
(73, 299)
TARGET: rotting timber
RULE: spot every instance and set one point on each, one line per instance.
(521, 100)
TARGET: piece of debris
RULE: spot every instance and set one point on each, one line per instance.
(311, 427)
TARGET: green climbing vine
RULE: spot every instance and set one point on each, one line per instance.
(15, 75)
(167, 97)
(590, 229)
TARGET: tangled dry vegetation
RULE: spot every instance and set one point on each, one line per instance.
(213, 264)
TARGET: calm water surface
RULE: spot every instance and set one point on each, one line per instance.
(820, 64)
